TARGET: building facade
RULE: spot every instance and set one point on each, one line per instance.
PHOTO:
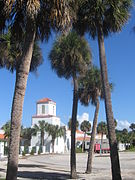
(46, 111)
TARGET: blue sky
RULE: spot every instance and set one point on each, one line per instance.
(120, 52)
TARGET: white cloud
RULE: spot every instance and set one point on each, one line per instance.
(84, 116)
(122, 124)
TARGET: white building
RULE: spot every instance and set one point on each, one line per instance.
(46, 111)
(2, 140)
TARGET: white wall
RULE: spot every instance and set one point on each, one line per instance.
(1, 148)
(50, 109)
(36, 120)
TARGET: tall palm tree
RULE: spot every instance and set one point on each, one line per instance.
(90, 91)
(41, 127)
(102, 129)
(69, 58)
(36, 18)
(99, 19)
(85, 127)
(54, 132)
(69, 124)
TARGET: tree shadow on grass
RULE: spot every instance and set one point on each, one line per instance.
(43, 175)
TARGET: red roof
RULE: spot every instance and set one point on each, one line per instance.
(2, 136)
(43, 116)
(79, 131)
(82, 138)
(45, 100)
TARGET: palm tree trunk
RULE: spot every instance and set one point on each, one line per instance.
(92, 140)
(53, 146)
(116, 173)
(73, 130)
(101, 143)
(42, 139)
(83, 143)
(17, 106)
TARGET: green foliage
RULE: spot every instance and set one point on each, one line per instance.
(90, 87)
(70, 55)
(85, 126)
(6, 128)
(110, 15)
(131, 149)
(11, 51)
(79, 150)
(23, 153)
(32, 151)
(124, 136)
(55, 131)
(41, 127)
(69, 124)
(132, 127)
(102, 128)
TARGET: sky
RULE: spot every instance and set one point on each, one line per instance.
(120, 53)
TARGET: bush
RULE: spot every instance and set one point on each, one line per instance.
(23, 153)
(32, 152)
(79, 150)
(39, 152)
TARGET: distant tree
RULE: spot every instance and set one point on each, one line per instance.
(26, 133)
(85, 127)
(41, 128)
(6, 128)
(69, 124)
(102, 129)
(132, 127)
(54, 132)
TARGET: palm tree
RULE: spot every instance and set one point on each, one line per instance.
(90, 91)
(55, 132)
(41, 127)
(69, 124)
(11, 51)
(6, 128)
(85, 127)
(132, 127)
(26, 134)
(99, 19)
(37, 19)
(69, 58)
(102, 129)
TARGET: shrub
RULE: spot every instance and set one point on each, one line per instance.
(79, 150)
(23, 153)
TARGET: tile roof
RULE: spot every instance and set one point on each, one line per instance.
(44, 100)
(82, 138)
(79, 131)
(2, 136)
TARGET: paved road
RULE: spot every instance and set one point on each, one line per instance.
(49, 167)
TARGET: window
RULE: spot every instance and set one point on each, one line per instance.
(43, 109)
